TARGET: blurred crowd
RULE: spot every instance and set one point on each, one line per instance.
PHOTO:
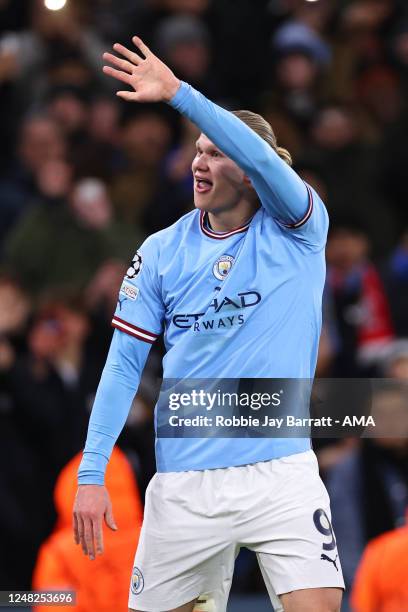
(85, 177)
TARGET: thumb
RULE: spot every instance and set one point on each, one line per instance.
(110, 521)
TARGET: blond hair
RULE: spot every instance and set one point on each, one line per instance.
(264, 130)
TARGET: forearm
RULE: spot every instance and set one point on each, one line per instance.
(116, 390)
(281, 190)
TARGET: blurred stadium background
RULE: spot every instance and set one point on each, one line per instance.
(85, 177)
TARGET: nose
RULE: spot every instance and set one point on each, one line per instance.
(200, 163)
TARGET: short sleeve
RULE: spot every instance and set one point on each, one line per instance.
(140, 309)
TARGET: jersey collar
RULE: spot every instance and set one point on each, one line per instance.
(219, 235)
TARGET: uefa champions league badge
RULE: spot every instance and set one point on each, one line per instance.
(222, 266)
(135, 267)
(137, 581)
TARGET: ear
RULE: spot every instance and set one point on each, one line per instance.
(247, 181)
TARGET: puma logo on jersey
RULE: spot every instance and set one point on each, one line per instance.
(324, 557)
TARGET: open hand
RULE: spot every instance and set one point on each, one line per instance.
(150, 78)
(92, 505)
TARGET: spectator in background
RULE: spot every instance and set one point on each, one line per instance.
(54, 381)
(380, 93)
(68, 106)
(360, 41)
(184, 43)
(99, 154)
(16, 533)
(340, 155)
(43, 417)
(395, 278)
(100, 585)
(69, 237)
(381, 583)
(302, 58)
(15, 309)
(361, 324)
(392, 160)
(145, 139)
(40, 141)
(173, 198)
(369, 487)
(58, 48)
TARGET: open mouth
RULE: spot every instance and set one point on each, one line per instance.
(202, 185)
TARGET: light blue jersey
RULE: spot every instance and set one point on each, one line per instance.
(241, 304)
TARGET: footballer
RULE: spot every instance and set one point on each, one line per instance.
(254, 244)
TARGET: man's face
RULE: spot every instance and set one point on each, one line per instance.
(219, 184)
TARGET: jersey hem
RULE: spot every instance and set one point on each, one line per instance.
(303, 446)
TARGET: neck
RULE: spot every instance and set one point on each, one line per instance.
(228, 220)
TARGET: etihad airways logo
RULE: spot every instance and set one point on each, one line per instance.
(244, 299)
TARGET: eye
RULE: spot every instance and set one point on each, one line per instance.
(215, 154)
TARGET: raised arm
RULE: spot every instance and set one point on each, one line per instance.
(281, 191)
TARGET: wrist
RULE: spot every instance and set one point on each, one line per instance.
(172, 88)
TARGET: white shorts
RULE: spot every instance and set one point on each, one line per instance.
(195, 523)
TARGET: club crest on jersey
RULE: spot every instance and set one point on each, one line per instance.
(137, 581)
(135, 267)
(222, 266)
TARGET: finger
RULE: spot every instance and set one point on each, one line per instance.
(110, 521)
(119, 63)
(98, 536)
(118, 74)
(129, 96)
(81, 535)
(75, 528)
(88, 537)
(131, 55)
(138, 42)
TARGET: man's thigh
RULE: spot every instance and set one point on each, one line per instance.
(312, 600)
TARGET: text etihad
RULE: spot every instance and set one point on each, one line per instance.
(245, 299)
